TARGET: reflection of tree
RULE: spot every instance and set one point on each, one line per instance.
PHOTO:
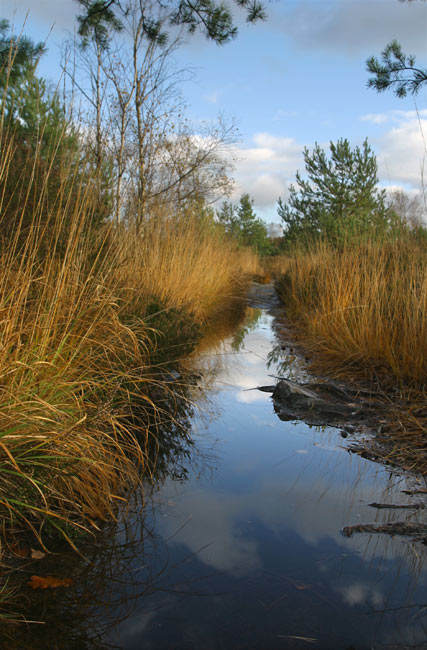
(250, 322)
(286, 365)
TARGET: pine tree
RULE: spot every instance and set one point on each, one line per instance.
(395, 70)
(339, 199)
(17, 56)
(243, 224)
(213, 18)
(47, 154)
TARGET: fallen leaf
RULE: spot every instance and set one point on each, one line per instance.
(37, 555)
(48, 582)
(301, 586)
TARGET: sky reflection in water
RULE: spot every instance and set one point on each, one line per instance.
(253, 546)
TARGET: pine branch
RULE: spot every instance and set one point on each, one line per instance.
(395, 70)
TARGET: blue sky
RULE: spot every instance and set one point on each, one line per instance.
(296, 79)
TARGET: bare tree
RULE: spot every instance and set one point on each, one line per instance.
(131, 88)
(411, 209)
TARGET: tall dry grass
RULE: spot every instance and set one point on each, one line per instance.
(75, 345)
(76, 342)
(186, 262)
(65, 457)
(363, 308)
(274, 267)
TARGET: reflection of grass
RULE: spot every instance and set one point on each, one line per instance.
(287, 366)
(103, 573)
(103, 590)
(105, 583)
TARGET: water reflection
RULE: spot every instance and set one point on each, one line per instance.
(251, 320)
(126, 561)
(244, 549)
(263, 534)
(77, 617)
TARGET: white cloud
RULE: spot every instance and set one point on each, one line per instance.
(211, 532)
(401, 152)
(249, 396)
(375, 118)
(410, 115)
(361, 594)
(401, 149)
(266, 169)
(394, 116)
(267, 186)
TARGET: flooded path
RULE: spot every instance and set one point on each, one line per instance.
(248, 549)
(239, 545)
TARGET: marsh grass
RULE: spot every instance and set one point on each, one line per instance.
(184, 261)
(362, 312)
(78, 340)
(65, 354)
(363, 307)
(273, 268)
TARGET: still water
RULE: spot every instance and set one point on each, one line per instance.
(248, 550)
(238, 546)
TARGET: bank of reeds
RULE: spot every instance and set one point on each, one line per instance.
(77, 344)
(274, 267)
(184, 262)
(364, 307)
(362, 311)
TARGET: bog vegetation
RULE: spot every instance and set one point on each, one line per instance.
(111, 263)
(355, 285)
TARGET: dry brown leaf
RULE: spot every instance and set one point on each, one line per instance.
(48, 582)
(37, 555)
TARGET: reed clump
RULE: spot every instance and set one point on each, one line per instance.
(274, 267)
(185, 261)
(77, 335)
(363, 307)
(362, 311)
(64, 456)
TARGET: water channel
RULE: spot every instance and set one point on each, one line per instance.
(240, 544)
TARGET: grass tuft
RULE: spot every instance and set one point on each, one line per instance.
(77, 335)
(363, 307)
